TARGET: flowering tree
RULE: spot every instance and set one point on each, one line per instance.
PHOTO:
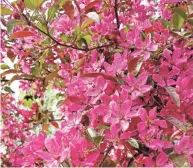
(102, 83)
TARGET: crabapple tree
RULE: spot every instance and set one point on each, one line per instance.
(100, 83)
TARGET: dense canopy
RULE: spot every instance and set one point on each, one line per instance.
(101, 83)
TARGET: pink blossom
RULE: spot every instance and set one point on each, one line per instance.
(137, 87)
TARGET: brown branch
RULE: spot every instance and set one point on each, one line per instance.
(105, 155)
(116, 14)
(132, 159)
(102, 46)
(62, 44)
(140, 151)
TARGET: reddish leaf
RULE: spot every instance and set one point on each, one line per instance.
(55, 124)
(45, 127)
(26, 54)
(149, 29)
(132, 64)
(11, 55)
(21, 34)
(73, 99)
(90, 5)
(61, 54)
(94, 75)
(69, 9)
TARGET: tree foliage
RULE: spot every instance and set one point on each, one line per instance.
(102, 83)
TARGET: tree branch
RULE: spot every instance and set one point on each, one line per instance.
(116, 14)
(62, 44)
(105, 155)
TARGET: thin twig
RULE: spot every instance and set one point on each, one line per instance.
(116, 14)
(104, 157)
(62, 44)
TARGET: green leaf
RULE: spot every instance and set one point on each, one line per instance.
(181, 12)
(8, 89)
(179, 160)
(133, 142)
(175, 97)
(98, 139)
(126, 29)
(87, 136)
(52, 12)
(177, 123)
(4, 66)
(92, 132)
(87, 38)
(166, 23)
(177, 21)
(104, 127)
(64, 38)
(77, 31)
(12, 23)
(42, 26)
(61, 2)
(84, 40)
(28, 103)
(5, 11)
(33, 4)
(36, 71)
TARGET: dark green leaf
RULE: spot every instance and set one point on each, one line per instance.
(98, 139)
(87, 136)
(8, 89)
(87, 38)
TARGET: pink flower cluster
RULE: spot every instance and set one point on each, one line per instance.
(126, 84)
